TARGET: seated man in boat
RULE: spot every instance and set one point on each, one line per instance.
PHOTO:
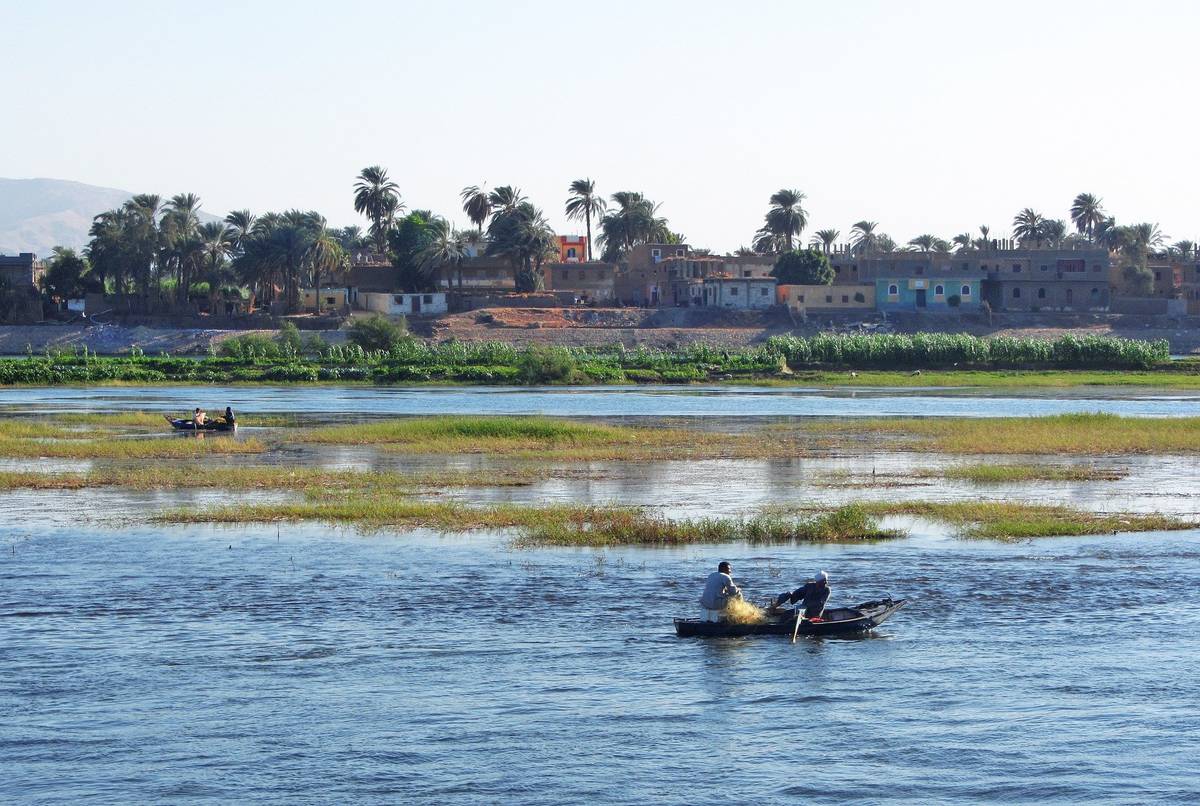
(199, 417)
(229, 418)
(814, 594)
(718, 590)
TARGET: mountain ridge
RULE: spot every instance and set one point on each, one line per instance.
(40, 213)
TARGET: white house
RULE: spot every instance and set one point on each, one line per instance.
(393, 304)
(739, 292)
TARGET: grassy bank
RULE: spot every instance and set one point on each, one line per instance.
(1075, 434)
(1014, 473)
(412, 361)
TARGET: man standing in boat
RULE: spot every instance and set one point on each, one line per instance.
(814, 595)
(718, 590)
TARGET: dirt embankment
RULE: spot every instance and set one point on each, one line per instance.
(594, 327)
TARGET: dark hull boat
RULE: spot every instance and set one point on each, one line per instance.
(836, 621)
(188, 425)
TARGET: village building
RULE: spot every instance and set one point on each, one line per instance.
(332, 299)
(403, 304)
(739, 292)
(921, 281)
(1043, 279)
(859, 298)
(572, 248)
(22, 270)
(592, 283)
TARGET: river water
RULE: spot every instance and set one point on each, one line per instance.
(313, 664)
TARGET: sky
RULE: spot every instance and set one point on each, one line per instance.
(924, 116)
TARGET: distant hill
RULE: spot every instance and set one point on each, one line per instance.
(38, 214)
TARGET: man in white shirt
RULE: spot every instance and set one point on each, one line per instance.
(718, 590)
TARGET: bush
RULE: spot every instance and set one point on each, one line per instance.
(954, 300)
(545, 365)
(250, 347)
(378, 333)
(289, 338)
(807, 267)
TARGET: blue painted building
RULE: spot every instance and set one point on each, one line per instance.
(899, 293)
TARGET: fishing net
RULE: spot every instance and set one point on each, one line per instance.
(739, 611)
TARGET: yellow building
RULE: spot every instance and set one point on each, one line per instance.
(802, 298)
(331, 299)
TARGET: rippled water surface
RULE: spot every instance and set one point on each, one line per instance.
(312, 664)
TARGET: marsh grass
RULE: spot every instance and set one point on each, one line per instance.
(547, 438)
(313, 482)
(83, 447)
(1075, 434)
(558, 525)
(1004, 520)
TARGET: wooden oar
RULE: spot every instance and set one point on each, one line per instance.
(796, 629)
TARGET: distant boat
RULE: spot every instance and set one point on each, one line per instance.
(835, 621)
(211, 425)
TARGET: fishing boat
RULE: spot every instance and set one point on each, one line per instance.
(211, 425)
(834, 621)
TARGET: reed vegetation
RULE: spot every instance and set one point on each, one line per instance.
(1075, 434)
(1008, 520)
(84, 447)
(1006, 474)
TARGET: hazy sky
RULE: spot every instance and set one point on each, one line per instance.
(926, 116)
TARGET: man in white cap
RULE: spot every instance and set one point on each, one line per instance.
(814, 594)
(718, 590)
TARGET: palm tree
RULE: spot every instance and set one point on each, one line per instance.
(1184, 249)
(1029, 225)
(378, 198)
(962, 240)
(786, 218)
(447, 247)
(924, 243)
(1148, 235)
(634, 220)
(526, 239)
(1054, 231)
(505, 199)
(984, 241)
(241, 222)
(884, 243)
(1087, 213)
(825, 239)
(476, 204)
(323, 254)
(583, 203)
(863, 236)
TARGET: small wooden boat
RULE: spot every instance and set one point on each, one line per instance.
(835, 621)
(211, 425)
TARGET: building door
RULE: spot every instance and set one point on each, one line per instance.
(416, 303)
(920, 297)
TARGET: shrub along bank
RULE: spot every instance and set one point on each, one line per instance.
(287, 360)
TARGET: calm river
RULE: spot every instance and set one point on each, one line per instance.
(311, 664)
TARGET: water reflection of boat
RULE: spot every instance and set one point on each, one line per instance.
(835, 621)
(189, 425)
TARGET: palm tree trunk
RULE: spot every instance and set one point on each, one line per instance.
(588, 218)
(317, 285)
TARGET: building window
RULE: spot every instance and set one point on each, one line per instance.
(678, 253)
(398, 299)
(733, 292)
(802, 298)
(427, 299)
(762, 292)
(582, 275)
(1045, 268)
(656, 254)
(571, 253)
(1016, 268)
(564, 275)
(331, 300)
(1041, 293)
(939, 290)
(1070, 295)
(893, 290)
(1095, 293)
(845, 297)
(965, 291)
(920, 269)
(828, 299)
(745, 272)
(1016, 293)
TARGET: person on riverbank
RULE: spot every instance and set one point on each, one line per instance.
(199, 417)
(229, 418)
(813, 594)
(718, 591)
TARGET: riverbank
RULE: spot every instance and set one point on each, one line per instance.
(829, 359)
